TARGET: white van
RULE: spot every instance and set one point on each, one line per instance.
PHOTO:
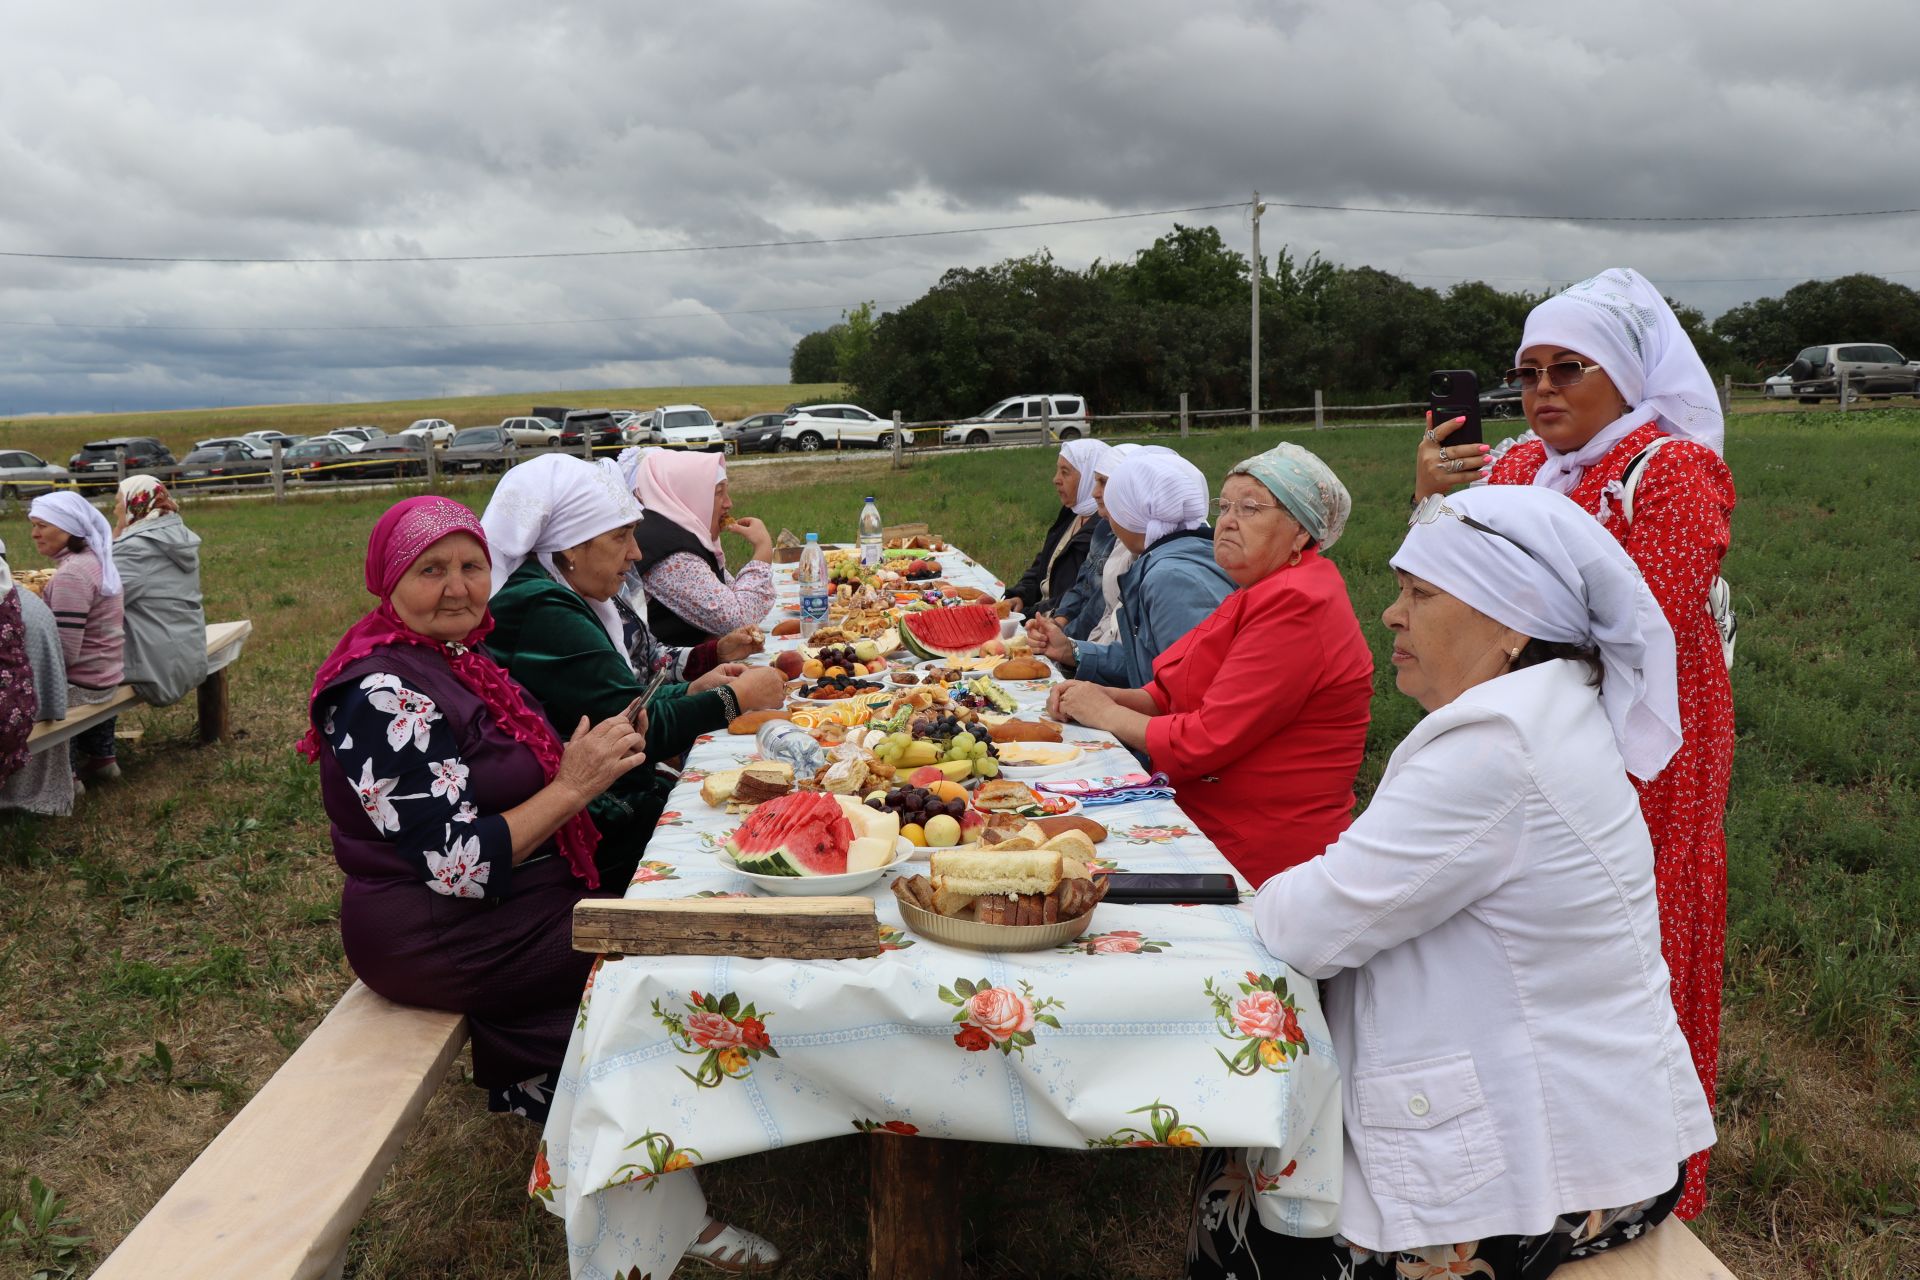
(1023, 418)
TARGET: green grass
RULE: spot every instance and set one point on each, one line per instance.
(165, 949)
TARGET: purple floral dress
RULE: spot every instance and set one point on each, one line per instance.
(19, 706)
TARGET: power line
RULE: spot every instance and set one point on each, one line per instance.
(1592, 217)
(484, 324)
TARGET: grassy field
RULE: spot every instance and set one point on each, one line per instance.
(168, 946)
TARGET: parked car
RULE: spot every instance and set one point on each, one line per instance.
(597, 423)
(439, 430)
(254, 448)
(266, 438)
(757, 433)
(1019, 418)
(233, 462)
(95, 466)
(479, 449)
(358, 438)
(1501, 402)
(828, 426)
(686, 426)
(317, 460)
(1780, 385)
(23, 473)
(390, 458)
(535, 431)
(1870, 369)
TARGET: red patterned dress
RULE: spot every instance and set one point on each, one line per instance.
(1680, 530)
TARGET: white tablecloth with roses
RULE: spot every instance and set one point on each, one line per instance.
(1162, 1026)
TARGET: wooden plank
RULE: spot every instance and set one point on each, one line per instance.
(753, 928)
(913, 1208)
(225, 640)
(1668, 1252)
(275, 1194)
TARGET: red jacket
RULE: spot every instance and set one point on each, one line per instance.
(1263, 718)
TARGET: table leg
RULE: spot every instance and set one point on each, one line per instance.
(913, 1208)
(213, 707)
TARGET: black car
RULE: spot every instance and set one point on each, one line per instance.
(479, 449)
(389, 459)
(759, 433)
(600, 423)
(317, 461)
(1501, 402)
(97, 465)
(224, 462)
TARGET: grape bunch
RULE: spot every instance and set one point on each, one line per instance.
(830, 687)
(918, 805)
(838, 655)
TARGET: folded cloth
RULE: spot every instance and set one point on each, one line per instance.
(1122, 788)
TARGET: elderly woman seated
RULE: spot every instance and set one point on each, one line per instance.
(1259, 714)
(42, 782)
(1086, 612)
(689, 596)
(1516, 1089)
(89, 606)
(459, 817)
(1071, 538)
(561, 530)
(159, 560)
(1158, 504)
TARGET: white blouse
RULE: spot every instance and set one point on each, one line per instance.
(1495, 991)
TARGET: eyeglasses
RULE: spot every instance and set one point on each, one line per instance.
(1244, 508)
(1560, 375)
(1434, 505)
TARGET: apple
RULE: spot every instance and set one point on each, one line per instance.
(926, 776)
(942, 832)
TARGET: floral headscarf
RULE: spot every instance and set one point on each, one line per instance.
(1306, 487)
(142, 498)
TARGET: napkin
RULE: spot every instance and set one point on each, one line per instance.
(1115, 789)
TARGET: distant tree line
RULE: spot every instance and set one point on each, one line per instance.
(1134, 335)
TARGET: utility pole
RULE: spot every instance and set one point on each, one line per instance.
(1254, 374)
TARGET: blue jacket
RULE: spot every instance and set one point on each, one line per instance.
(1085, 603)
(1164, 594)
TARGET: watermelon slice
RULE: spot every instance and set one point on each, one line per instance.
(949, 633)
(802, 834)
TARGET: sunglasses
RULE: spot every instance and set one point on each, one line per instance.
(1560, 374)
(1433, 506)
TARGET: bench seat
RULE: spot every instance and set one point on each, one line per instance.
(225, 640)
(1669, 1252)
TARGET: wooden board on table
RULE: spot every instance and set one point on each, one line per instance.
(752, 928)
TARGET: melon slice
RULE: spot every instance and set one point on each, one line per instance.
(949, 633)
(870, 853)
(803, 834)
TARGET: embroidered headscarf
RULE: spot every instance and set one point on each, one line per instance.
(680, 485)
(1552, 572)
(1622, 323)
(549, 504)
(142, 498)
(69, 512)
(401, 537)
(1086, 457)
(1157, 492)
(1306, 487)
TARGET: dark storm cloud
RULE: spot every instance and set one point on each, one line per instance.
(240, 130)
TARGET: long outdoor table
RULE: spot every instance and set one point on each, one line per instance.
(1163, 1026)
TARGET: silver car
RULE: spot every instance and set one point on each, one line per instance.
(23, 473)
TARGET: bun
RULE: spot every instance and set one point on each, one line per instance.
(751, 722)
(1024, 730)
(1022, 669)
(787, 627)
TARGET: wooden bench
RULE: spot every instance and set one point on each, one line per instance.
(275, 1195)
(1670, 1252)
(225, 640)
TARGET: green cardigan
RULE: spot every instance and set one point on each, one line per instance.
(553, 644)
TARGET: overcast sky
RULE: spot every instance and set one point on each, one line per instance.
(221, 128)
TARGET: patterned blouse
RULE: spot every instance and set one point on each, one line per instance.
(399, 754)
(683, 583)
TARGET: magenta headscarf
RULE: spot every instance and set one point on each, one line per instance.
(680, 487)
(402, 536)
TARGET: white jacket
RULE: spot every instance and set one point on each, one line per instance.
(1495, 988)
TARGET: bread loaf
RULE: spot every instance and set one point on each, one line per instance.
(751, 722)
(1024, 730)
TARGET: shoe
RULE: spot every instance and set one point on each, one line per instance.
(736, 1252)
(99, 769)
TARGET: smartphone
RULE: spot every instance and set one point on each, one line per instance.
(1455, 393)
(1165, 886)
(646, 696)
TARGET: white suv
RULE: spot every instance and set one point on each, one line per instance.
(681, 426)
(438, 430)
(533, 431)
(827, 426)
(1021, 418)
(1871, 369)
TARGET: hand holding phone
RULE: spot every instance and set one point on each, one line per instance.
(1455, 393)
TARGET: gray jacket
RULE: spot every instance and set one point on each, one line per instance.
(43, 653)
(1164, 594)
(166, 627)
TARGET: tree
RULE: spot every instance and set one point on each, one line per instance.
(815, 358)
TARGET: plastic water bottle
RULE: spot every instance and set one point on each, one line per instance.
(784, 740)
(871, 553)
(812, 579)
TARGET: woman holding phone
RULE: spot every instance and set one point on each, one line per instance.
(1616, 396)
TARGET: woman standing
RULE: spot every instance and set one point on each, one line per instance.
(88, 607)
(691, 598)
(159, 560)
(1615, 394)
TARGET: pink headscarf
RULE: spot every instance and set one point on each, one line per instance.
(680, 487)
(401, 537)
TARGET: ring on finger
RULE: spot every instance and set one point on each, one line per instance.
(1453, 465)
(1443, 453)
(1432, 438)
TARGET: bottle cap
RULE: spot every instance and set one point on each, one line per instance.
(869, 497)
(813, 537)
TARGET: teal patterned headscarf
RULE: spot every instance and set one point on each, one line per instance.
(1306, 487)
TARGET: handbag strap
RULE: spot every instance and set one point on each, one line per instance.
(1630, 478)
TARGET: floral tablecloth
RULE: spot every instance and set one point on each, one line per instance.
(1162, 1026)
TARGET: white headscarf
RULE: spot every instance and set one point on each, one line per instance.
(1621, 322)
(69, 512)
(1553, 573)
(1085, 457)
(1104, 467)
(1157, 492)
(554, 502)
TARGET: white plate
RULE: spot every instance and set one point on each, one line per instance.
(810, 886)
(1024, 772)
